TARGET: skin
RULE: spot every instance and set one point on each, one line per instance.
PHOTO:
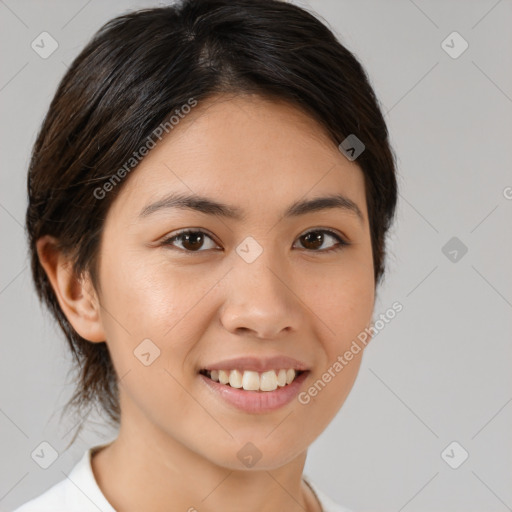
(177, 444)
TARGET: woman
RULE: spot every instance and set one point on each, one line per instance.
(209, 196)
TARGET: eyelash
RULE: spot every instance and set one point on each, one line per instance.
(341, 242)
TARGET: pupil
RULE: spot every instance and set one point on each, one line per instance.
(316, 241)
(198, 238)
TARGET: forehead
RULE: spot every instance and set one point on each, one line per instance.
(247, 151)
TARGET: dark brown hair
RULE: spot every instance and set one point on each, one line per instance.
(136, 71)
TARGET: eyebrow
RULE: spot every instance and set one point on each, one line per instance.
(212, 207)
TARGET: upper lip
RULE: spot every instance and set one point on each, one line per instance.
(258, 364)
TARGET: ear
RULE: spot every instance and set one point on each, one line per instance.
(77, 297)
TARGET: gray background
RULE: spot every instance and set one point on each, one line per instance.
(439, 372)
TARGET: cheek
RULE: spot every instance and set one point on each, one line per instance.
(344, 302)
(349, 309)
(151, 313)
(150, 296)
(142, 300)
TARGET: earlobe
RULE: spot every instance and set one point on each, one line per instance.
(76, 295)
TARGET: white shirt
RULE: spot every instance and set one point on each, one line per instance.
(79, 492)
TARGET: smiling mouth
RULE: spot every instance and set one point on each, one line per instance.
(253, 381)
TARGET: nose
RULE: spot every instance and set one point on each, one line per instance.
(262, 299)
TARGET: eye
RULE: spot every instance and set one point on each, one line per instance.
(315, 238)
(193, 240)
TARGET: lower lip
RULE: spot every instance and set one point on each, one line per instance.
(256, 401)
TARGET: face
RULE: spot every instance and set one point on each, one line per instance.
(253, 287)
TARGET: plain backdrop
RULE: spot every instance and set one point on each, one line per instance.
(440, 372)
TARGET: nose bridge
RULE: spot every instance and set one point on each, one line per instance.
(259, 297)
(261, 275)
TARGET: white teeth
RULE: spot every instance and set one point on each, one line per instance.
(251, 381)
(223, 377)
(235, 379)
(254, 381)
(281, 378)
(268, 381)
